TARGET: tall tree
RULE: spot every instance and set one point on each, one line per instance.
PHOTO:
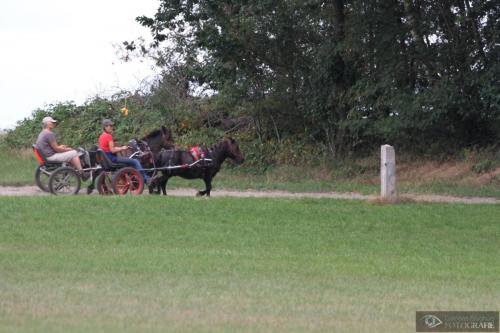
(349, 73)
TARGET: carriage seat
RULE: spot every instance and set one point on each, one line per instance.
(92, 155)
(106, 163)
(42, 159)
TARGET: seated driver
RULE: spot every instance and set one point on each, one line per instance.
(107, 145)
(54, 152)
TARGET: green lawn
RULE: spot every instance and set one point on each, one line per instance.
(17, 169)
(138, 264)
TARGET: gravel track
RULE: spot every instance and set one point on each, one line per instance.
(184, 192)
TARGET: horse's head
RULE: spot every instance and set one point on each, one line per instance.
(233, 151)
(167, 140)
(159, 139)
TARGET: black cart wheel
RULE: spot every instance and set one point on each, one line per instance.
(64, 181)
(104, 183)
(128, 181)
(42, 175)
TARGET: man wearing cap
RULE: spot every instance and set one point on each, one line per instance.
(47, 143)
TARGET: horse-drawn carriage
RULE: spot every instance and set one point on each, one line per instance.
(158, 158)
(61, 179)
(108, 177)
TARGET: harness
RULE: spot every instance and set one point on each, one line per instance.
(197, 153)
(201, 159)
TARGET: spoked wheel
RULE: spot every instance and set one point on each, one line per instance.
(64, 181)
(128, 181)
(104, 183)
(42, 174)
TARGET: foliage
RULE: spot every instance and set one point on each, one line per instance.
(301, 81)
(350, 75)
(483, 166)
(80, 125)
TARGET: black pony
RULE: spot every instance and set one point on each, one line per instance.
(150, 146)
(159, 139)
(203, 170)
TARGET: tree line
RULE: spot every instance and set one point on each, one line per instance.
(301, 80)
(351, 74)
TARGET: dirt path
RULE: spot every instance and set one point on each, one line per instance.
(184, 192)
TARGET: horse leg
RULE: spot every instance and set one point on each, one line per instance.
(208, 188)
(157, 184)
(163, 184)
(154, 187)
(91, 187)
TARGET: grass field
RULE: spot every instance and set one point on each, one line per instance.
(139, 264)
(18, 169)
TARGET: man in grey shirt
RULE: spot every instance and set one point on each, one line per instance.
(47, 143)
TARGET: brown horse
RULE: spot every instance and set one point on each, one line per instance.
(205, 169)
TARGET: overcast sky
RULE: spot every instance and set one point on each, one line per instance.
(60, 50)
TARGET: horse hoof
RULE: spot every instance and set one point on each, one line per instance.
(152, 190)
(90, 189)
(199, 194)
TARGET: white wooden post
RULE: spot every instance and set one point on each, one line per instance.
(388, 173)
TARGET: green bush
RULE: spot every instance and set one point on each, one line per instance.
(197, 122)
(483, 166)
(80, 126)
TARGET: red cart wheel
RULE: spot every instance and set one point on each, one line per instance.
(128, 181)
